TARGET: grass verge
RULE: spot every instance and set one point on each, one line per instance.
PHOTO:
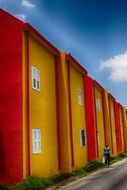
(36, 183)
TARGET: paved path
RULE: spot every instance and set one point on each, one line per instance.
(112, 178)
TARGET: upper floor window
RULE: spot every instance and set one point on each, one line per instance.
(80, 98)
(98, 105)
(35, 78)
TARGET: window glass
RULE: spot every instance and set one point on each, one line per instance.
(98, 105)
(82, 137)
(36, 133)
(80, 98)
(35, 79)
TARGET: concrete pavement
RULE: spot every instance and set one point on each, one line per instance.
(103, 179)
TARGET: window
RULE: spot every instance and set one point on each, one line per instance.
(35, 79)
(82, 137)
(36, 134)
(80, 99)
(98, 106)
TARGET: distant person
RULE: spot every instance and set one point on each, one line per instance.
(107, 155)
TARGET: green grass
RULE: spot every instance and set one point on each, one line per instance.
(118, 157)
(94, 165)
(36, 183)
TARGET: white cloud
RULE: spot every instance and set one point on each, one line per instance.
(27, 4)
(21, 16)
(117, 66)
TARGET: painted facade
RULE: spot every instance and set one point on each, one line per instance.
(121, 126)
(11, 144)
(76, 93)
(112, 124)
(42, 110)
(125, 127)
(30, 117)
(72, 113)
(90, 119)
(107, 124)
(117, 126)
(53, 117)
(99, 118)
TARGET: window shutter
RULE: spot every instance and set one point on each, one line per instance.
(36, 133)
(98, 105)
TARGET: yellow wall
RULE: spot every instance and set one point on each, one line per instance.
(112, 120)
(108, 132)
(121, 128)
(43, 111)
(100, 123)
(66, 162)
(78, 117)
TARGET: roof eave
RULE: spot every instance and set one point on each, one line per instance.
(98, 85)
(30, 28)
(69, 57)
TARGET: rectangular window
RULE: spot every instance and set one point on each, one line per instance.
(98, 105)
(80, 98)
(35, 79)
(36, 140)
(82, 137)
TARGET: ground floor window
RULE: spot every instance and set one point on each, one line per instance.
(82, 137)
(35, 78)
(36, 140)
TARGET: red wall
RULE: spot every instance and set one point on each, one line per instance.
(90, 123)
(11, 158)
(117, 125)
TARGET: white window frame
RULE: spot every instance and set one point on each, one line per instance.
(98, 104)
(35, 78)
(36, 140)
(80, 96)
(82, 144)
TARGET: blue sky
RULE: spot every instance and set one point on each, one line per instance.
(93, 31)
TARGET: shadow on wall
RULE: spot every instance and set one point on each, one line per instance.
(2, 155)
